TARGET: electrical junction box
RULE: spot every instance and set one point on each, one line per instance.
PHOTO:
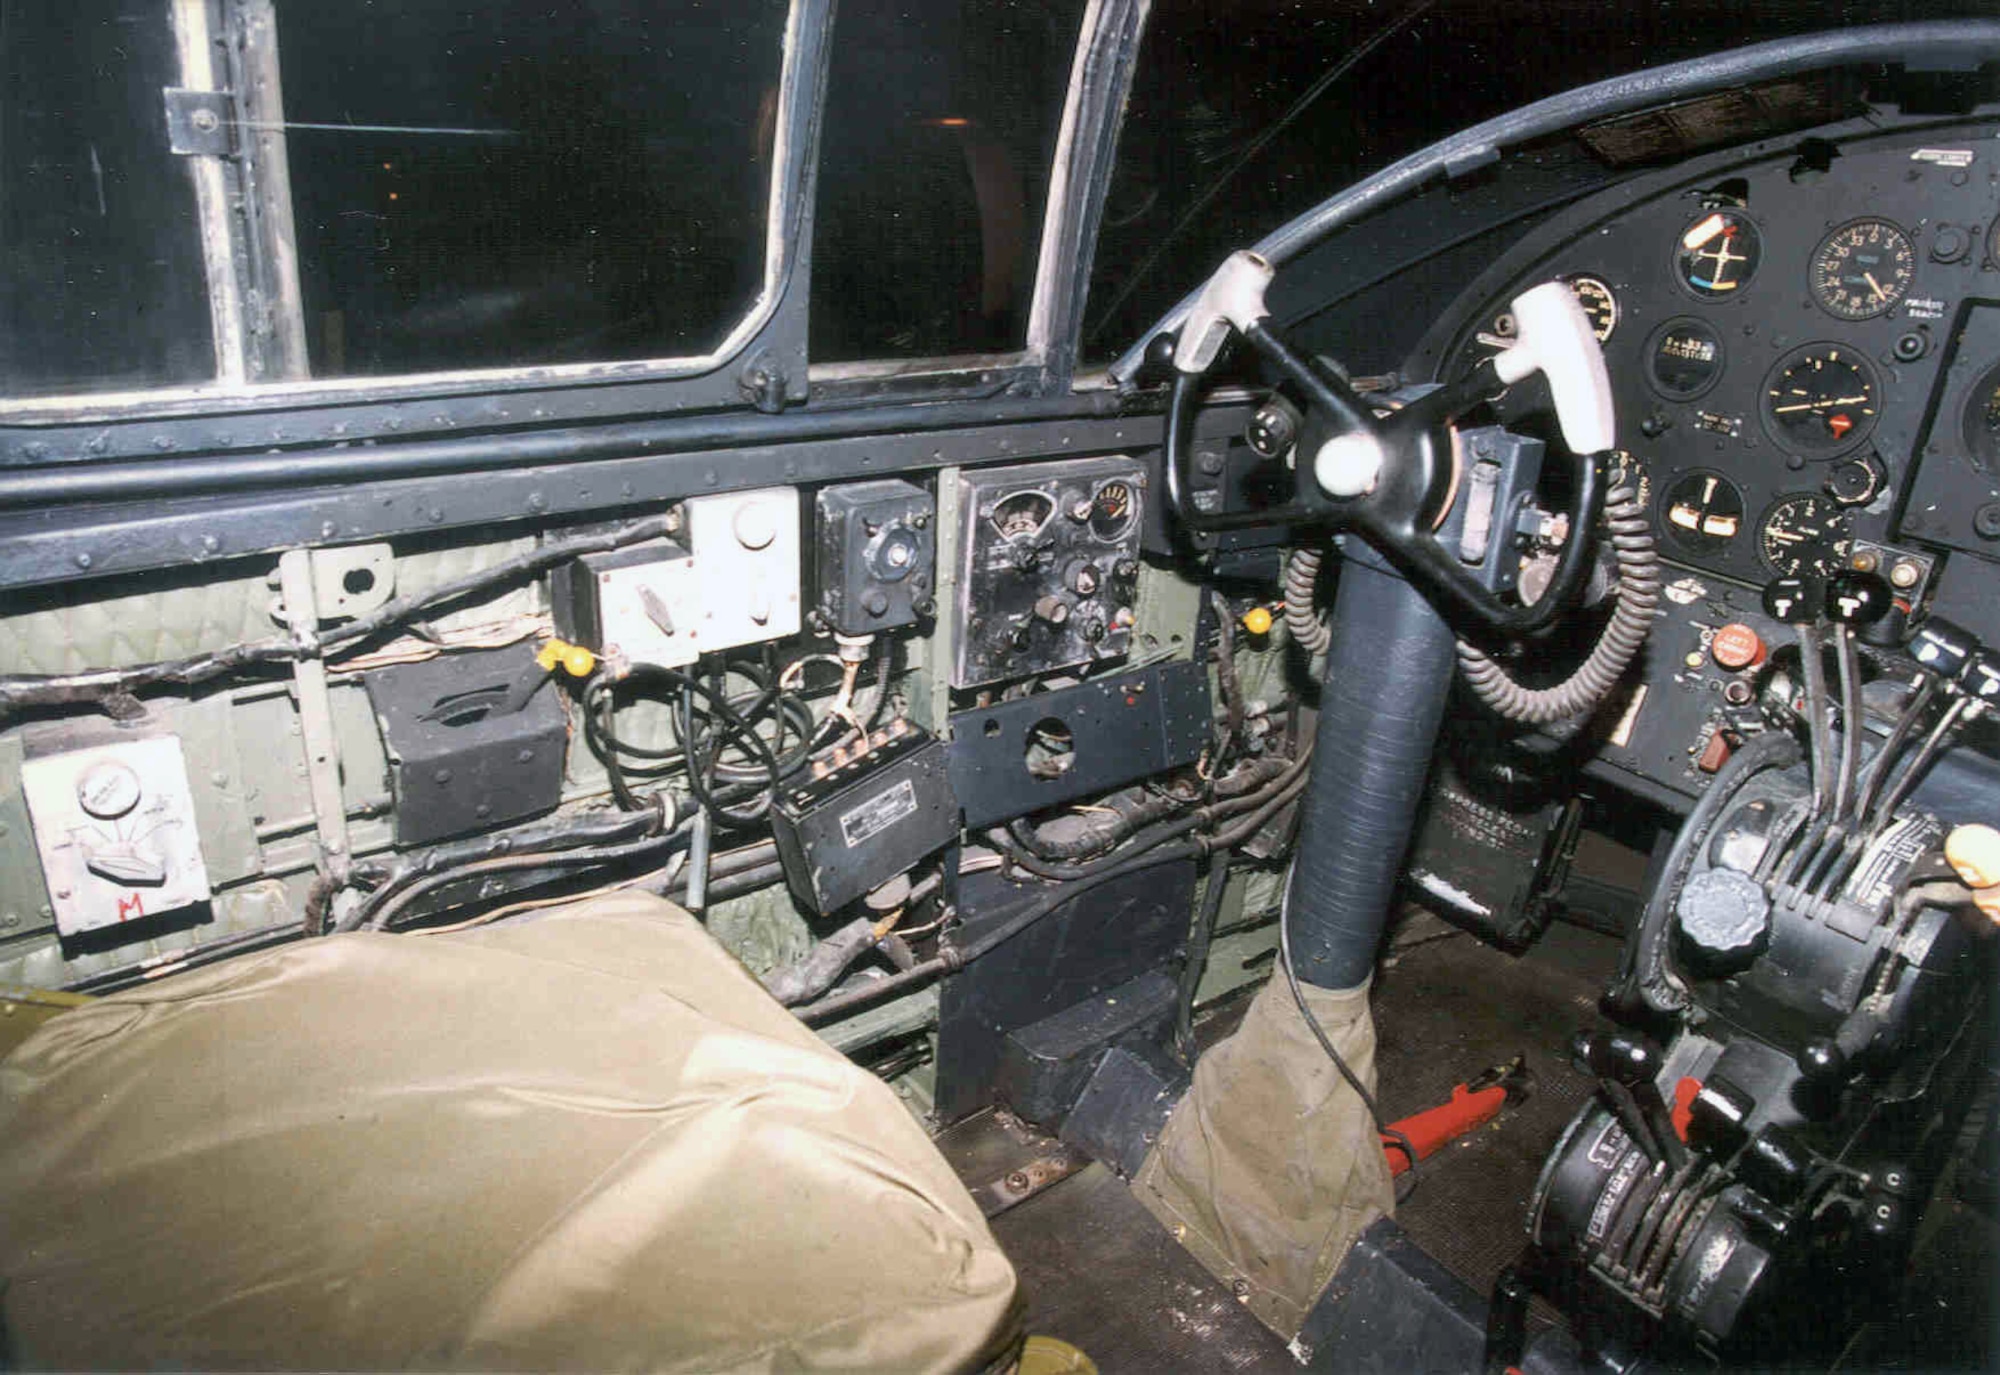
(115, 829)
(735, 582)
(865, 815)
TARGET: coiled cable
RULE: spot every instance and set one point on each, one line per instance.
(1638, 598)
(1302, 619)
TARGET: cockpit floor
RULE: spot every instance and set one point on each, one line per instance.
(1100, 1273)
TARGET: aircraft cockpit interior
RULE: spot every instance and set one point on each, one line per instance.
(993, 686)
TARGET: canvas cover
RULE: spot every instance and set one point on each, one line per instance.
(1270, 1166)
(585, 1142)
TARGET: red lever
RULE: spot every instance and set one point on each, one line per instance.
(1472, 1105)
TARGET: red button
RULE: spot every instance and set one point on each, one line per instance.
(1736, 646)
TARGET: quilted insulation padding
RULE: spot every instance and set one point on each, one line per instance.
(119, 622)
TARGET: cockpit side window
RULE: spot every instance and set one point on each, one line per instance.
(940, 131)
(212, 205)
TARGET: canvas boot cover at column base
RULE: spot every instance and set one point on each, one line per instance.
(1270, 1167)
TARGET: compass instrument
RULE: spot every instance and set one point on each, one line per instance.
(1718, 254)
(1683, 359)
(1821, 400)
(1862, 269)
(1803, 535)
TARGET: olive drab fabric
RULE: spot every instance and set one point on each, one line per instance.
(588, 1141)
(1270, 1166)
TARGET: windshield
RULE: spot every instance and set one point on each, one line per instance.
(1245, 115)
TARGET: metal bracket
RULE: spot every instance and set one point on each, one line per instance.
(295, 582)
(352, 580)
(200, 124)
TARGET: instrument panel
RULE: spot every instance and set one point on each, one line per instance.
(1800, 347)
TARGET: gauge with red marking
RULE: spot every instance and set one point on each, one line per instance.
(1821, 400)
(1718, 254)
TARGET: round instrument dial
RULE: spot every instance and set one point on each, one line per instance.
(1862, 269)
(1703, 511)
(1718, 254)
(1112, 509)
(1981, 424)
(1821, 400)
(1599, 302)
(1803, 535)
(1684, 358)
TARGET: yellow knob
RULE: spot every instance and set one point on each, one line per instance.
(1257, 620)
(1975, 852)
(574, 660)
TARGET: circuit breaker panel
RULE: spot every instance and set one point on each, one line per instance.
(1048, 566)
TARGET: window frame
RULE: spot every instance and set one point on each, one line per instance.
(220, 417)
(771, 333)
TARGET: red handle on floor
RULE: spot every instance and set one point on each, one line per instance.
(1434, 1128)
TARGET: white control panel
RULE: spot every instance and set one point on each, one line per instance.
(738, 584)
(115, 828)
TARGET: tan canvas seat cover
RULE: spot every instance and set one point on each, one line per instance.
(588, 1142)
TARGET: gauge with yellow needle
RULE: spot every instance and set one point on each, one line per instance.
(1821, 400)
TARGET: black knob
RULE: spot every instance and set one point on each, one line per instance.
(1725, 919)
(1617, 1055)
(1857, 598)
(1945, 649)
(1794, 601)
(1822, 1062)
(1981, 678)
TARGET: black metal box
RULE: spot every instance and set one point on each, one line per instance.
(458, 761)
(863, 819)
(875, 550)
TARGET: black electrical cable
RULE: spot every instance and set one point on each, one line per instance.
(386, 914)
(32, 690)
(711, 799)
(953, 958)
(1263, 802)
(1197, 957)
(1382, 1129)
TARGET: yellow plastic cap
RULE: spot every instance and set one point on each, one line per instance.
(1257, 620)
(574, 660)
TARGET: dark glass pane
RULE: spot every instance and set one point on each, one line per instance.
(102, 286)
(515, 185)
(1222, 145)
(941, 123)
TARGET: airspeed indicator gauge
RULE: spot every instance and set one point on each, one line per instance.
(1600, 305)
(1862, 269)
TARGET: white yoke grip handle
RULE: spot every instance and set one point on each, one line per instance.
(1553, 336)
(1233, 297)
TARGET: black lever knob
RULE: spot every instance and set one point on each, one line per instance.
(1857, 598)
(1945, 649)
(1794, 601)
(1617, 1056)
(1981, 678)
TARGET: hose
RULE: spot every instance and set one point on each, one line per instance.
(1302, 619)
(1638, 598)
